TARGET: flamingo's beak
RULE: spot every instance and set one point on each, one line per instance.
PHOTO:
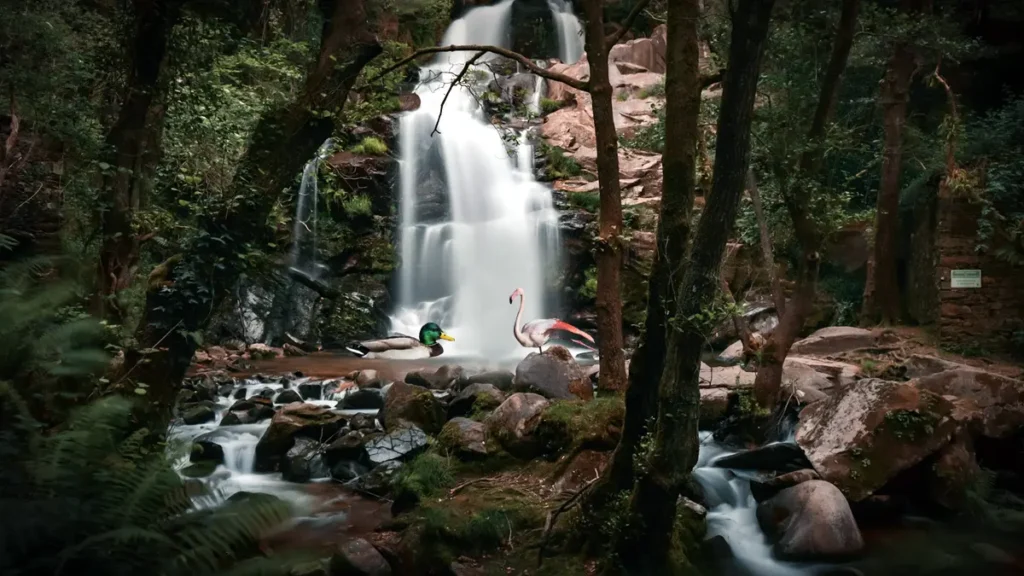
(509, 299)
(444, 336)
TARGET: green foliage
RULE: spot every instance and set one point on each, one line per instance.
(560, 166)
(589, 201)
(655, 91)
(425, 476)
(92, 499)
(547, 105)
(358, 206)
(371, 146)
(650, 137)
(588, 291)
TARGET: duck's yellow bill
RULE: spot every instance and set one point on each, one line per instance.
(444, 336)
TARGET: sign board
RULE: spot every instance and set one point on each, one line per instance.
(965, 278)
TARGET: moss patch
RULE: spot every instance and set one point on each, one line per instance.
(569, 424)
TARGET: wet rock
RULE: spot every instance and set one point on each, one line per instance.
(863, 435)
(252, 410)
(241, 393)
(554, 374)
(267, 393)
(313, 568)
(292, 350)
(778, 457)
(714, 404)
(357, 557)
(225, 390)
(304, 461)
(835, 339)
(378, 480)
(368, 379)
(399, 444)
(200, 469)
(989, 404)
(764, 489)
(287, 397)
(475, 398)
(716, 549)
(500, 379)
(406, 404)
(811, 521)
(362, 399)
(348, 470)
(262, 497)
(198, 414)
(953, 473)
(311, 390)
(292, 421)
(348, 447)
(513, 423)
(363, 422)
(261, 352)
(441, 379)
(465, 438)
(206, 450)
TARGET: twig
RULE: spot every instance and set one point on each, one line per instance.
(458, 78)
(458, 488)
(553, 517)
(529, 64)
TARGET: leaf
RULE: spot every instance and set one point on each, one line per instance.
(140, 391)
(104, 166)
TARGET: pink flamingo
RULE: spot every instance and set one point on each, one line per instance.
(536, 333)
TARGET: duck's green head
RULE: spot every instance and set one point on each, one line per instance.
(430, 333)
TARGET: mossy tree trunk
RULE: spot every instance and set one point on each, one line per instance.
(644, 546)
(134, 150)
(682, 108)
(184, 291)
(768, 381)
(609, 243)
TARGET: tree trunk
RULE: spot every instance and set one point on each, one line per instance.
(881, 291)
(134, 143)
(612, 374)
(768, 381)
(682, 108)
(644, 548)
(184, 291)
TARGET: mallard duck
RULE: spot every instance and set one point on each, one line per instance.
(402, 347)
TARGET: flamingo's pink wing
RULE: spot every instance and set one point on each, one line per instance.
(538, 327)
(559, 325)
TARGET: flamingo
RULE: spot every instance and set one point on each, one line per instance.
(536, 333)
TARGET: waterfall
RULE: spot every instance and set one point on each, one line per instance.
(570, 33)
(500, 231)
(303, 253)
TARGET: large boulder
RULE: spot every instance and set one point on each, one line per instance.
(406, 404)
(764, 488)
(304, 461)
(465, 438)
(778, 457)
(860, 437)
(293, 420)
(953, 473)
(838, 373)
(500, 379)
(810, 521)
(554, 374)
(362, 399)
(725, 377)
(991, 405)
(475, 398)
(441, 379)
(834, 340)
(357, 557)
(199, 414)
(514, 422)
(803, 383)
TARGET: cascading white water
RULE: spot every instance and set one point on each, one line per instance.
(570, 32)
(501, 230)
(303, 252)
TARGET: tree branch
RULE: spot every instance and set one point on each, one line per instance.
(613, 39)
(458, 78)
(526, 62)
(766, 245)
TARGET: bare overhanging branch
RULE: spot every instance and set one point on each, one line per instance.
(526, 62)
(613, 39)
(458, 78)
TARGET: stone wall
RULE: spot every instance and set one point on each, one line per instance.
(983, 318)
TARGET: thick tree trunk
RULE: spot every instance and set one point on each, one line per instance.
(612, 374)
(882, 301)
(644, 548)
(134, 143)
(184, 291)
(682, 107)
(768, 381)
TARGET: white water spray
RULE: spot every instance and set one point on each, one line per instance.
(570, 32)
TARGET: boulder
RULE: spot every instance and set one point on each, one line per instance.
(248, 411)
(834, 340)
(363, 422)
(406, 404)
(953, 473)
(311, 390)
(641, 52)
(357, 557)
(262, 352)
(513, 422)
(763, 489)
(199, 414)
(733, 354)
(500, 379)
(441, 379)
(204, 449)
(362, 399)
(803, 383)
(292, 350)
(811, 521)
(287, 397)
(348, 470)
(348, 447)
(475, 398)
(304, 461)
(989, 404)
(465, 438)
(293, 420)
(399, 444)
(553, 374)
(838, 373)
(920, 365)
(378, 480)
(725, 377)
(714, 404)
(860, 437)
(368, 379)
(778, 457)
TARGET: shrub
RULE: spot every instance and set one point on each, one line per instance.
(371, 146)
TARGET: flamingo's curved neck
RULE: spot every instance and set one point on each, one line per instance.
(515, 327)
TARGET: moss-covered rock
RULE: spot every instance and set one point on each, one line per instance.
(464, 438)
(407, 404)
